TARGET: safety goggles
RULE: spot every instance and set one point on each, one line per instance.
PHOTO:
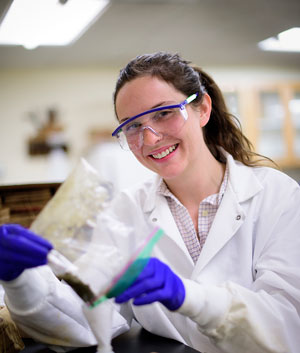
(161, 121)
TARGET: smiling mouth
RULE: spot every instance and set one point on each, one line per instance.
(165, 153)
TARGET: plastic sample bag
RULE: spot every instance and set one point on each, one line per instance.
(106, 261)
(98, 255)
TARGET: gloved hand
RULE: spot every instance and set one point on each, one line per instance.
(20, 249)
(157, 282)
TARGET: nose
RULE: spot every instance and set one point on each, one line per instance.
(150, 136)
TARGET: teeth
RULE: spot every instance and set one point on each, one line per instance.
(164, 153)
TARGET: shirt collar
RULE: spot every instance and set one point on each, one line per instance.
(214, 199)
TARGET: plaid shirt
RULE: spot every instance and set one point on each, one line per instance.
(206, 214)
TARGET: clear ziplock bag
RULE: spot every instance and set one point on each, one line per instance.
(95, 252)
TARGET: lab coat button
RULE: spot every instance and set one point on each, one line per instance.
(238, 217)
(154, 219)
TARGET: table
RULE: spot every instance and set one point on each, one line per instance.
(137, 340)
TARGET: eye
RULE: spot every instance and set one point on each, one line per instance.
(132, 127)
(163, 114)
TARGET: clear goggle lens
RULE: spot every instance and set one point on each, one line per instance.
(161, 123)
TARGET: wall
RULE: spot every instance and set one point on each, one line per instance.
(83, 98)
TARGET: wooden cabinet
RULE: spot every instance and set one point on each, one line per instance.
(270, 118)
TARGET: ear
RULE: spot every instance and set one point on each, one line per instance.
(205, 109)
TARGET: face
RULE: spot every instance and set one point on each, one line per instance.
(171, 156)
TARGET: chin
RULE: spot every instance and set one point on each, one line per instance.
(165, 171)
(170, 175)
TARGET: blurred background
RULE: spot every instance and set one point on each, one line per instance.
(56, 101)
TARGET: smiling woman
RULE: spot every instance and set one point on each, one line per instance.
(225, 276)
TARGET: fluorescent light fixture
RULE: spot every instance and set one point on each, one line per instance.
(285, 41)
(34, 23)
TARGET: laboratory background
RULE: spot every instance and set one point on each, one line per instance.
(56, 93)
(59, 61)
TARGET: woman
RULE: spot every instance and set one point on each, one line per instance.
(225, 277)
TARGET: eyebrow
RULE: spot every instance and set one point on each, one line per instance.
(161, 104)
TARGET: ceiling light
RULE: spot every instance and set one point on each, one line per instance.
(34, 23)
(285, 41)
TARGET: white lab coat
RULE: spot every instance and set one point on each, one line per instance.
(243, 295)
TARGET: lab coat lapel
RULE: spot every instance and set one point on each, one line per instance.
(242, 185)
(228, 219)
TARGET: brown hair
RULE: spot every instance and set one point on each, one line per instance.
(223, 129)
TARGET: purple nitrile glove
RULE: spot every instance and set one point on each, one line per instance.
(20, 249)
(157, 282)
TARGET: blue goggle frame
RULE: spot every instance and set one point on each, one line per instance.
(180, 105)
